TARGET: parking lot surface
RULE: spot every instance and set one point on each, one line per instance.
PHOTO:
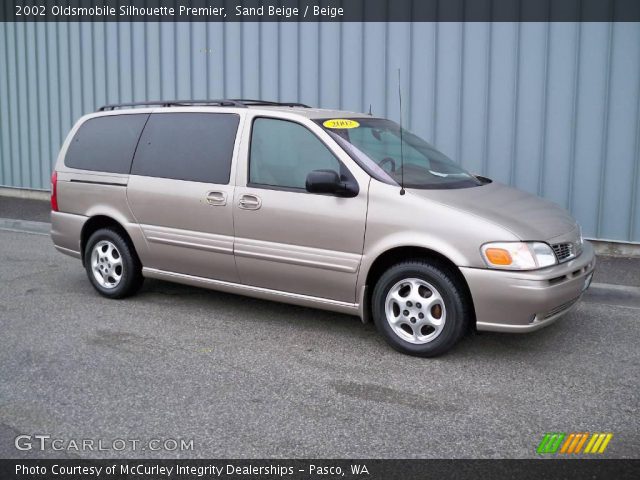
(249, 378)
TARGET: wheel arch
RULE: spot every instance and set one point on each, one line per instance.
(397, 254)
(97, 222)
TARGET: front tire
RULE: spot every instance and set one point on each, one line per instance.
(112, 264)
(420, 308)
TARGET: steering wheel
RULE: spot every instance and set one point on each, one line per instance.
(386, 160)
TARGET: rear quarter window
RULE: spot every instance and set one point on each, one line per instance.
(196, 147)
(106, 144)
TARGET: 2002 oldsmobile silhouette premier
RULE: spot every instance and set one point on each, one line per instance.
(304, 205)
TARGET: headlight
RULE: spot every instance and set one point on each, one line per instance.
(581, 237)
(518, 255)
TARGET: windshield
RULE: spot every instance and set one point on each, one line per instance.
(374, 143)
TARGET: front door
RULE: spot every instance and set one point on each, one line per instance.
(286, 238)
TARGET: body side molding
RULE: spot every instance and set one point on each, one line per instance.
(257, 292)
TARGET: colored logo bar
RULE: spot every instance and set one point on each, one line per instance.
(573, 443)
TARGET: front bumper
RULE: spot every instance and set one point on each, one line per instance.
(507, 301)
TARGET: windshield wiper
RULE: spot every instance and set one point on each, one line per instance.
(445, 175)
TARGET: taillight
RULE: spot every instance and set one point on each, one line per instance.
(54, 191)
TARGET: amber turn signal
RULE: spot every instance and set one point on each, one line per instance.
(498, 256)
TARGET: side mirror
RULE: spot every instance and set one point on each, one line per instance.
(328, 181)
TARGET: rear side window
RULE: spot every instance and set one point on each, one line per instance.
(187, 146)
(106, 144)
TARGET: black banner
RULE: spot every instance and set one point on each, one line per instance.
(65, 469)
(319, 10)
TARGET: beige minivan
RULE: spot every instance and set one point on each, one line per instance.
(329, 209)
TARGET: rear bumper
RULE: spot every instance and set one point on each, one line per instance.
(506, 301)
(66, 229)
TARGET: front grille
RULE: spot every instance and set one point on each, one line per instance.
(563, 251)
(566, 251)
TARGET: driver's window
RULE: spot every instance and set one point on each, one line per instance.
(283, 153)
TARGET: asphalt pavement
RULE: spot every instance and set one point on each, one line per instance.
(25, 209)
(246, 378)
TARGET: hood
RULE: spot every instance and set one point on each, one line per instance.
(525, 215)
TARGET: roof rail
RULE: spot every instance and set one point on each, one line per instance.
(249, 102)
(171, 103)
(241, 103)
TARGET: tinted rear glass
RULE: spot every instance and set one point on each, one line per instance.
(106, 144)
(187, 146)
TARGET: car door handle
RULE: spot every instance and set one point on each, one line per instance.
(216, 198)
(250, 202)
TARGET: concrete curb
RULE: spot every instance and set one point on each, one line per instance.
(618, 288)
(25, 193)
(25, 226)
(612, 248)
(609, 294)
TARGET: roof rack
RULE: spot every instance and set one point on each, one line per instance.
(248, 102)
(241, 103)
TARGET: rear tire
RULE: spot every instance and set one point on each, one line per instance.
(112, 265)
(420, 308)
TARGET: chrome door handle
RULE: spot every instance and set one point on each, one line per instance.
(250, 202)
(216, 198)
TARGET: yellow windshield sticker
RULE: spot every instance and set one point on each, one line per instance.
(340, 123)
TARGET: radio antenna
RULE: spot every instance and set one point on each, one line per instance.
(402, 192)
